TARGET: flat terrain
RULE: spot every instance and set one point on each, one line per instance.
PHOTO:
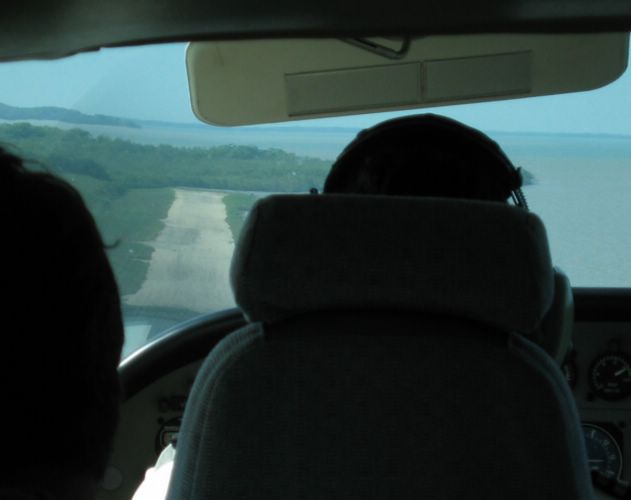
(189, 267)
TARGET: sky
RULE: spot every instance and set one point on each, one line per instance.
(150, 83)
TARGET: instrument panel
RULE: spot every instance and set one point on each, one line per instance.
(599, 372)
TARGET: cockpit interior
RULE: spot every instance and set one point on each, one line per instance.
(330, 345)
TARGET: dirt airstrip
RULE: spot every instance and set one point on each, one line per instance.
(189, 266)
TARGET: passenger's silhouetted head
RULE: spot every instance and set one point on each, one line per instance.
(62, 335)
(424, 155)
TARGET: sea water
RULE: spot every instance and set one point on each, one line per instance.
(582, 192)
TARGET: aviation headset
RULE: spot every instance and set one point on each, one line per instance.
(422, 125)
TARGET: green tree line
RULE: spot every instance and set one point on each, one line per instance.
(130, 165)
(61, 114)
(129, 187)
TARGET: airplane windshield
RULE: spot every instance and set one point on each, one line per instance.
(170, 194)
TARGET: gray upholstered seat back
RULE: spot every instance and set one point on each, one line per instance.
(471, 259)
(371, 370)
(478, 260)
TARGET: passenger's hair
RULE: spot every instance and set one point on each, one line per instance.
(62, 327)
(424, 155)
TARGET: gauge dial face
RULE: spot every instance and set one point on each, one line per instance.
(610, 376)
(602, 450)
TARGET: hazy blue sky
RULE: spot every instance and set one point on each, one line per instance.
(150, 83)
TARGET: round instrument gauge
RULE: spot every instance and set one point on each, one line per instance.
(602, 450)
(610, 376)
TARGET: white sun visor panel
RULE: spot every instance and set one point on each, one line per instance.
(249, 82)
(475, 77)
(353, 89)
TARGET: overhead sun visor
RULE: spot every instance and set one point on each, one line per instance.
(478, 77)
(353, 89)
(249, 82)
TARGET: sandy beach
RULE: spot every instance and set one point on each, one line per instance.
(189, 267)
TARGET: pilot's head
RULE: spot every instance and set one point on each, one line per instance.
(424, 155)
(62, 337)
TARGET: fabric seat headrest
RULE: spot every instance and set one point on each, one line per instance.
(484, 261)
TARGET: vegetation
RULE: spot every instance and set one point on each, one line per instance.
(62, 115)
(129, 187)
(129, 165)
(237, 207)
(127, 219)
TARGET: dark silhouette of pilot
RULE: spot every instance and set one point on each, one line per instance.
(61, 342)
(425, 155)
